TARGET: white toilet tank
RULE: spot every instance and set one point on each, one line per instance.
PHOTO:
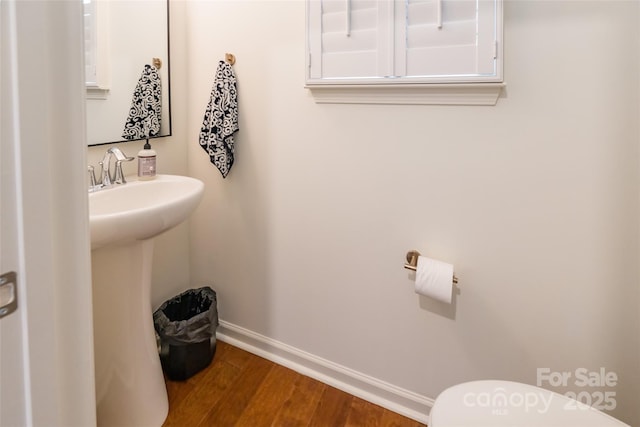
(506, 403)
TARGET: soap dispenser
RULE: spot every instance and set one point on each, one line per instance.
(146, 163)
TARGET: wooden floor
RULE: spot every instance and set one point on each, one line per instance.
(241, 389)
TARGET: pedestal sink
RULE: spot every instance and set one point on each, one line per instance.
(130, 388)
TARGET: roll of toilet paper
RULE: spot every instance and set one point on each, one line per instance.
(434, 279)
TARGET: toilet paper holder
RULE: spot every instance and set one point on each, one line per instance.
(412, 262)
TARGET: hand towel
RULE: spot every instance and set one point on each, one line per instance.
(221, 119)
(146, 106)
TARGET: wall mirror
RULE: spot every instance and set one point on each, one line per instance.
(121, 37)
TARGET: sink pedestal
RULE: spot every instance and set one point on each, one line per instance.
(130, 387)
(124, 219)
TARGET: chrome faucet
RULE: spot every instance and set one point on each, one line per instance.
(118, 175)
(108, 178)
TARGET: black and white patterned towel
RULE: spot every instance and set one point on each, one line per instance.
(221, 119)
(146, 106)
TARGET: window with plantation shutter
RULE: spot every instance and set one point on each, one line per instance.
(95, 45)
(407, 44)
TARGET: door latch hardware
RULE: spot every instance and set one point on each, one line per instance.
(8, 294)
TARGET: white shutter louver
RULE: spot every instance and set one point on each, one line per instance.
(352, 39)
(462, 46)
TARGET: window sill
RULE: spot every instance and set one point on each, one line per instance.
(96, 92)
(407, 94)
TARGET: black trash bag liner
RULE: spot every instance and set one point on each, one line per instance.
(186, 325)
(188, 318)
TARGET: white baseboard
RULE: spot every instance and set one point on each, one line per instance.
(393, 398)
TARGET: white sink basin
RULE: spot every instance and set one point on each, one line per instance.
(140, 210)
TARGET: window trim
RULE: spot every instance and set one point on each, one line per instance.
(408, 94)
(431, 90)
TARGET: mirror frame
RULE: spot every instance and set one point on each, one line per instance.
(166, 63)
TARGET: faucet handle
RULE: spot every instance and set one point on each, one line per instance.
(119, 176)
(92, 178)
(106, 177)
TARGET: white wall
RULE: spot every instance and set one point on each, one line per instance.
(534, 200)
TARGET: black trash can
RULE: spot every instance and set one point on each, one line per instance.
(186, 325)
